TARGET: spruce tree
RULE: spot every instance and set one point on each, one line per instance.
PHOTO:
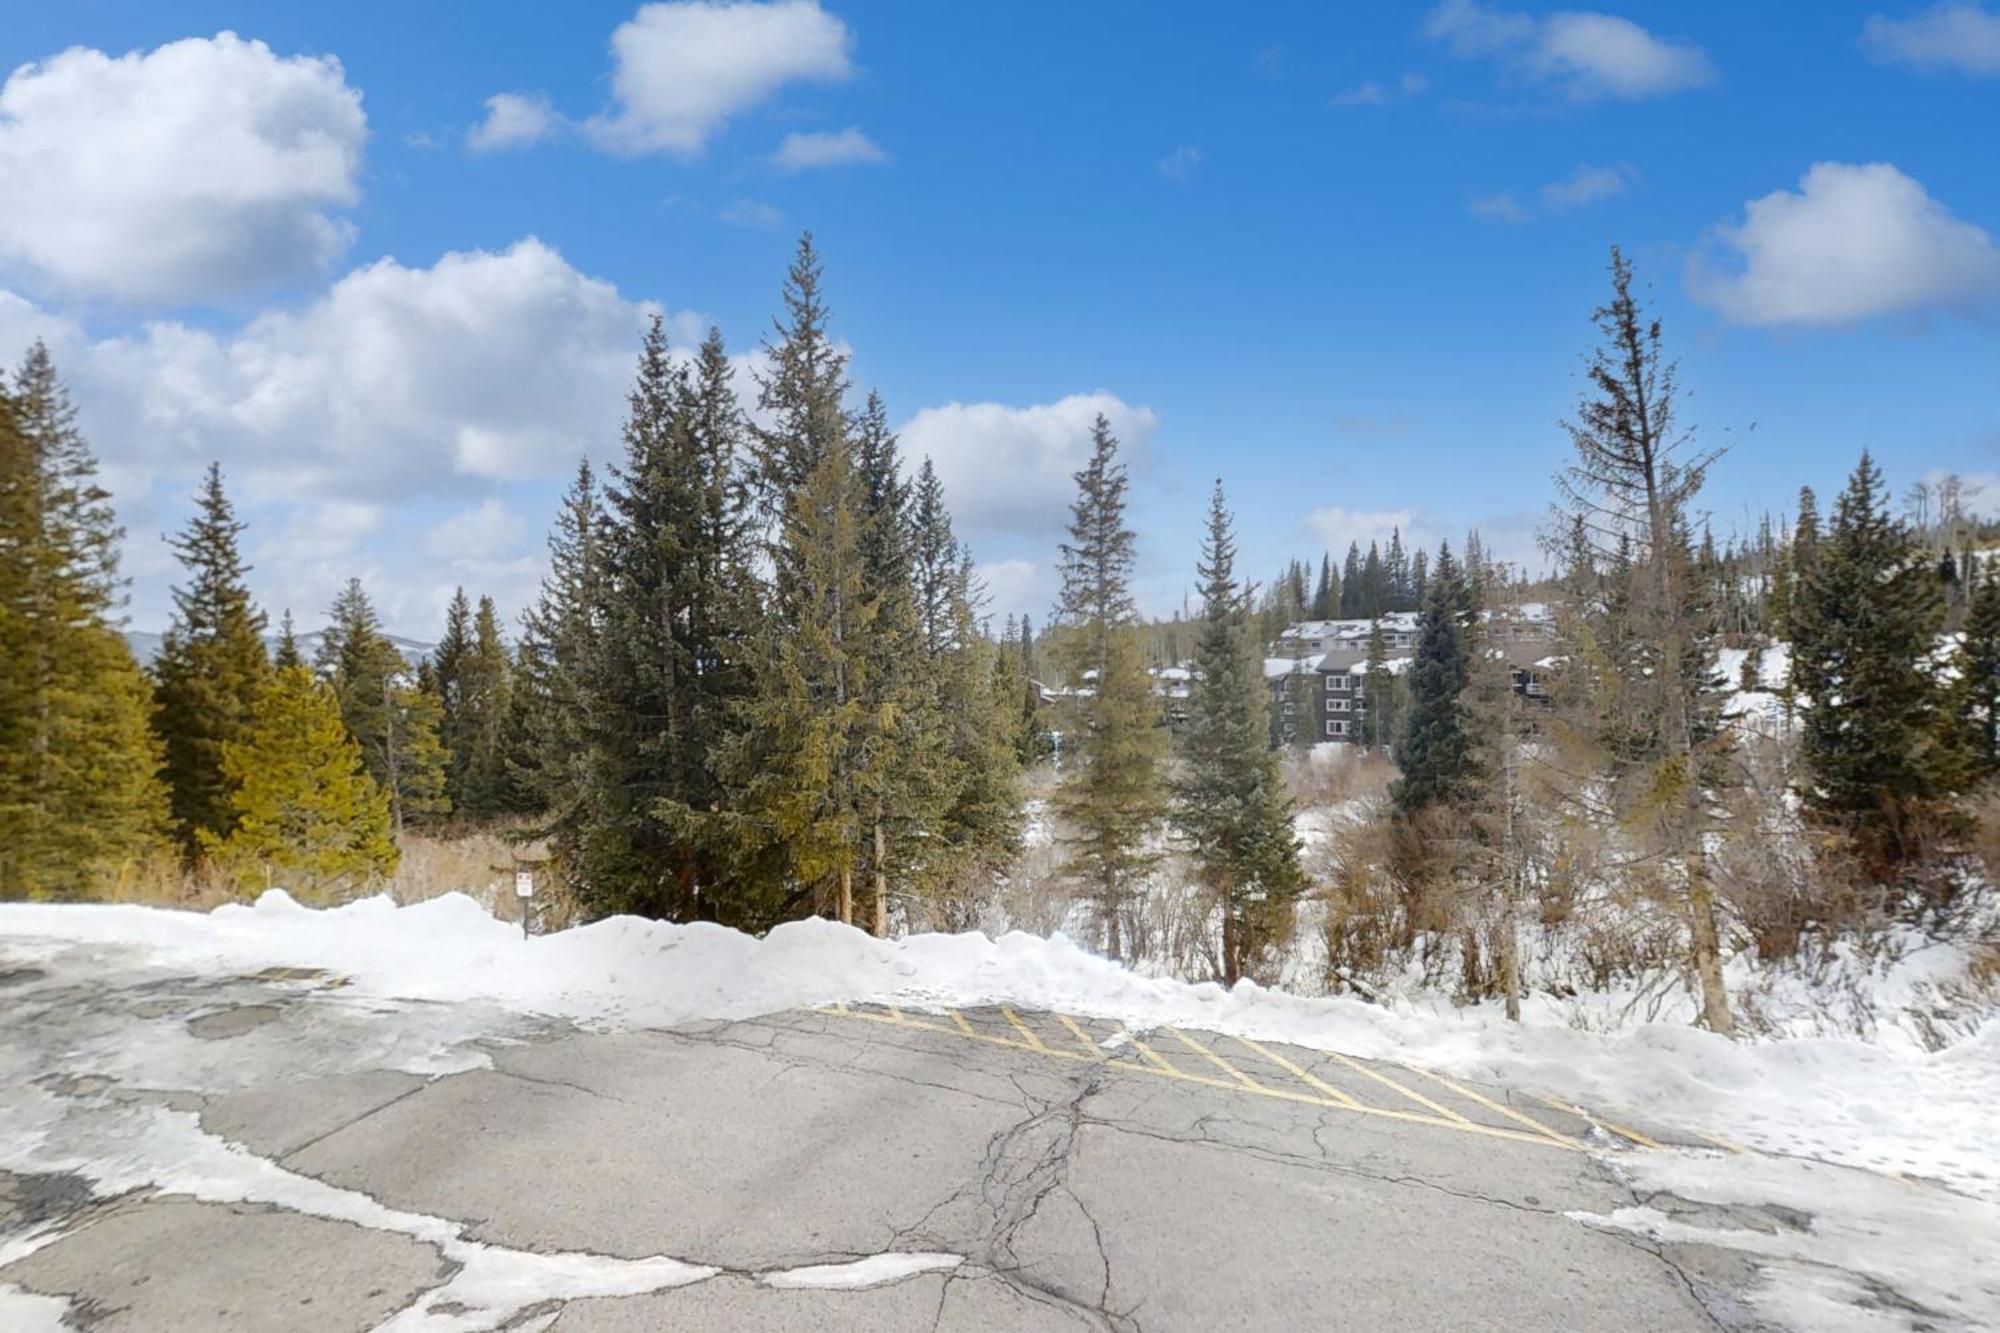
(801, 395)
(303, 813)
(561, 633)
(80, 796)
(394, 721)
(1436, 752)
(1326, 600)
(1351, 586)
(1229, 802)
(1111, 790)
(448, 667)
(1976, 687)
(479, 750)
(1867, 616)
(211, 668)
(287, 653)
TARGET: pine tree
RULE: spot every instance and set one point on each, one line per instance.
(1630, 491)
(1110, 794)
(801, 396)
(485, 702)
(552, 681)
(1326, 597)
(287, 653)
(211, 668)
(80, 796)
(394, 721)
(1436, 752)
(1867, 616)
(1229, 803)
(1378, 693)
(1396, 575)
(303, 812)
(448, 667)
(1374, 585)
(1976, 688)
(1351, 585)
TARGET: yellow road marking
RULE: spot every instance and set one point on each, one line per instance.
(1217, 1061)
(1497, 1107)
(1299, 1072)
(1611, 1125)
(1724, 1144)
(1152, 1054)
(1411, 1093)
(963, 1026)
(1161, 1069)
(1096, 1051)
(894, 1012)
(1026, 1031)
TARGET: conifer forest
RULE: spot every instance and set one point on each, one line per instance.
(762, 681)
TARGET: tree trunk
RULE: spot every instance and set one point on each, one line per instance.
(1116, 944)
(1231, 942)
(1707, 952)
(881, 882)
(846, 905)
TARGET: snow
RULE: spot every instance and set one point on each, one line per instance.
(25, 1312)
(1887, 1108)
(874, 1271)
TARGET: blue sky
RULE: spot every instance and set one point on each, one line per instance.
(1341, 256)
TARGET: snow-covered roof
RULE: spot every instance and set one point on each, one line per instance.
(1395, 622)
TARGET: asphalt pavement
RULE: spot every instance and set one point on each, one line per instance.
(277, 1153)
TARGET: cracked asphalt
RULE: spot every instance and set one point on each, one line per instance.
(392, 1149)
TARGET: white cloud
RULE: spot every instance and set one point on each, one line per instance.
(479, 368)
(1336, 526)
(752, 213)
(199, 171)
(835, 148)
(1180, 164)
(1010, 470)
(1586, 55)
(1854, 242)
(1015, 588)
(1372, 93)
(681, 70)
(1501, 207)
(1955, 35)
(1587, 185)
(514, 120)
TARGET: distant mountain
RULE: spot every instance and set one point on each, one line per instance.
(145, 645)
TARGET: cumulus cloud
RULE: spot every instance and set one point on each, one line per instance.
(201, 170)
(1587, 185)
(1015, 588)
(1853, 242)
(1009, 471)
(680, 70)
(838, 148)
(1957, 35)
(483, 367)
(1587, 56)
(514, 120)
(1336, 526)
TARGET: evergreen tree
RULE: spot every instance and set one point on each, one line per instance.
(1866, 620)
(1110, 794)
(211, 668)
(481, 784)
(1437, 753)
(303, 812)
(80, 796)
(1326, 598)
(287, 654)
(1644, 661)
(395, 722)
(1378, 699)
(553, 678)
(1374, 585)
(1229, 803)
(801, 396)
(1396, 575)
(1351, 584)
(1976, 689)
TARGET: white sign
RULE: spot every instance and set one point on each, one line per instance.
(524, 883)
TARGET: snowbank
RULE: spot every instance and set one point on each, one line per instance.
(1899, 1110)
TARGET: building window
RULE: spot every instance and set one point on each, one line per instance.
(1337, 705)
(1336, 727)
(1339, 682)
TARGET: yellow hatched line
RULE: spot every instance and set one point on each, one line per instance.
(1611, 1125)
(1300, 1073)
(963, 1026)
(1155, 1057)
(1217, 1061)
(1159, 1068)
(1096, 1052)
(1724, 1144)
(1411, 1093)
(1026, 1032)
(1498, 1108)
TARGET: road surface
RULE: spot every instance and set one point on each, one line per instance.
(276, 1152)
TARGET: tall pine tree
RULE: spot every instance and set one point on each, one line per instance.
(211, 669)
(1229, 802)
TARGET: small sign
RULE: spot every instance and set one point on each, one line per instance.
(524, 883)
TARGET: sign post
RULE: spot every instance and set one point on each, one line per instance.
(524, 889)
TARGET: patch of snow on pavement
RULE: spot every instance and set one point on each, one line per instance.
(877, 1270)
(1873, 1253)
(25, 1312)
